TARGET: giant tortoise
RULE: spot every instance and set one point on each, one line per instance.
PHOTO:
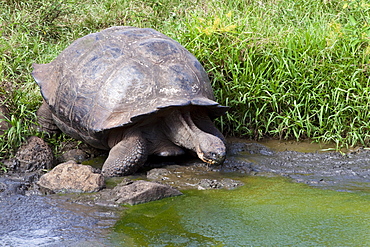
(135, 92)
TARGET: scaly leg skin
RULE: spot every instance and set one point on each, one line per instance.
(127, 156)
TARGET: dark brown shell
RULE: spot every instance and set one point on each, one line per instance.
(106, 79)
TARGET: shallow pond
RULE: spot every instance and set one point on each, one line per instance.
(265, 212)
(269, 210)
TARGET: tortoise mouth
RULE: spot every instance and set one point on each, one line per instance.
(216, 159)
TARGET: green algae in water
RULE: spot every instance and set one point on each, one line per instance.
(264, 212)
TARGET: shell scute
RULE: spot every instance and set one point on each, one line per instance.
(108, 79)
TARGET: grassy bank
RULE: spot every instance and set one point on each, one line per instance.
(288, 69)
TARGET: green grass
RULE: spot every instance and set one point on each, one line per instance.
(287, 68)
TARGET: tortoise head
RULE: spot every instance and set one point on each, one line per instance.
(211, 149)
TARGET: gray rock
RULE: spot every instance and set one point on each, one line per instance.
(157, 174)
(77, 151)
(225, 183)
(19, 184)
(136, 192)
(251, 148)
(4, 115)
(194, 176)
(72, 177)
(77, 155)
(32, 156)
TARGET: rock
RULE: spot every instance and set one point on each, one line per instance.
(137, 192)
(192, 176)
(225, 183)
(4, 115)
(235, 164)
(77, 155)
(236, 147)
(19, 184)
(77, 151)
(72, 177)
(158, 174)
(32, 156)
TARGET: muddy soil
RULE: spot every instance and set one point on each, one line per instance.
(340, 171)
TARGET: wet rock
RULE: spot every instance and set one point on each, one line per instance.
(252, 148)
(19, 184)
(158, 174)
(12, 187)
(77, 155)
(72, 177)
(226, 183)
(194, 176)
(34, 155)
(236, 164)
(332, 170)
(136, 192)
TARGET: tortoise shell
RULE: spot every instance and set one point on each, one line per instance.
(115, 77)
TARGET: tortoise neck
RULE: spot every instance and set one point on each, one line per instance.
(179, 131)
(182, 131)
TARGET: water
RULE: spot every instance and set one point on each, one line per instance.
(264, 212)
(52, 221)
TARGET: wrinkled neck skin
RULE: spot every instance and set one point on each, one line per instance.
(196, 131)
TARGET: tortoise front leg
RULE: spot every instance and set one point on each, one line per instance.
(127, 156)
